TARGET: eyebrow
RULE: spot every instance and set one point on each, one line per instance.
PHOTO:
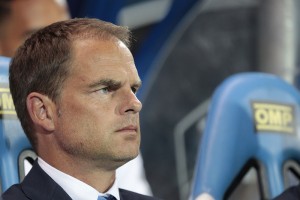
(106, 82)
(138, 84)
(113, 84)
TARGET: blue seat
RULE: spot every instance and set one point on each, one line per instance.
(106, 10)
(253, 120)
(13, 142)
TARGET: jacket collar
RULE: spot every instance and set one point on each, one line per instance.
(38, 185)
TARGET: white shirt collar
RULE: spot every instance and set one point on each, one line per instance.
(75, 188)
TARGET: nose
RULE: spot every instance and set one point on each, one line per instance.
(131, 104)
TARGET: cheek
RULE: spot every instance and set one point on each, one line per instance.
(81, 130)
(85, 119)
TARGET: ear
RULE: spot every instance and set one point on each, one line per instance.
(41, 110)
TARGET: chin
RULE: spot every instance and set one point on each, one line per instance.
(118, 162)
(126, 158)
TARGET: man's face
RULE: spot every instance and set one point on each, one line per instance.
(98, 108)
(26, 17)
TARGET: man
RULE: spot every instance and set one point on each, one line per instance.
(20, 18)
(74, 87)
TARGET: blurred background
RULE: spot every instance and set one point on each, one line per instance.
(183, 50)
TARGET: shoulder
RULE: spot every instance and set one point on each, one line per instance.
(292, 193)
(14, 193)
(128, 195)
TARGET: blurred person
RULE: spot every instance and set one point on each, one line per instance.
(18, 20)
(78, 107)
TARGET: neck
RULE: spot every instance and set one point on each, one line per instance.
(88, 171)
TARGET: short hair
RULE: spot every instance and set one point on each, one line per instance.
(43, 62)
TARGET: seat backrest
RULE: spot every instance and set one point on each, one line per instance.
(13, 142)
(253, 119)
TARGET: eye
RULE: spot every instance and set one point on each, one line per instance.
(105, 90)
(134, 90)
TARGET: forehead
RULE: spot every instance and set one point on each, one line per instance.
(102, 59)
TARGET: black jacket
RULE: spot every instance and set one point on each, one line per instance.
(38, 185)
(292, 193)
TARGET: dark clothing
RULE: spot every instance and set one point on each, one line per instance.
(38, 185)
(292, 193)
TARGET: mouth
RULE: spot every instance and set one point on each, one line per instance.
(130, 128)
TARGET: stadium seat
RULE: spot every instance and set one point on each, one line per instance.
(14, 146)
(253, 121)
(106, 10)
